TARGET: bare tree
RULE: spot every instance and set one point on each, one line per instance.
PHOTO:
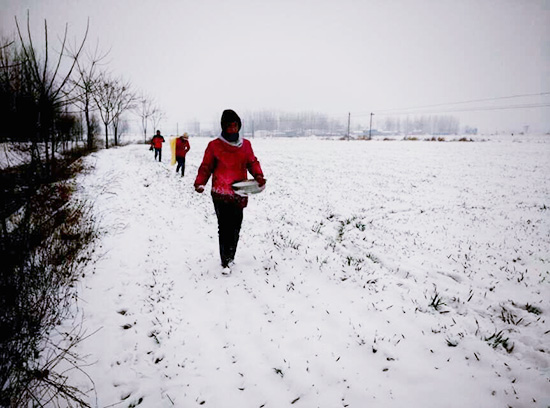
(49, 87)
(157, 117)
(104, 97)
(145, 109)
(113, 97)
(125, 99)
(87, 79)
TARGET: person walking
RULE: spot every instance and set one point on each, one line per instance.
(182, 147)
(227, 159)
(157, 142)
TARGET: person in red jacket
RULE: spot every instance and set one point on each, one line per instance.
(157, 142)
(182, 147)
(227, 159)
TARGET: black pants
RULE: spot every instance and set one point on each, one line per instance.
(181, 164)
(159, 153)
(230, 218)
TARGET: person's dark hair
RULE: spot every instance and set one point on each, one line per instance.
(230, 116)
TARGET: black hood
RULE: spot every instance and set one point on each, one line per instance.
(229, 116)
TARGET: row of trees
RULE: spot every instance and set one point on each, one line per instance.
(53, 106)
(426, 124)
(292, 124)
(305, 123)
(46, 105)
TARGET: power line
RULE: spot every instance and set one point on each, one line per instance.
(383, 111)
(472, 109)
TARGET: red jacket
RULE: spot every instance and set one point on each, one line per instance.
(157, 142)
(227, 164)
(182, 147)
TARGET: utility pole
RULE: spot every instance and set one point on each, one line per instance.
(349, 120)
(370, 128)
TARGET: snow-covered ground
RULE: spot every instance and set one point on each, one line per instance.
(13, 155)
(368, 274)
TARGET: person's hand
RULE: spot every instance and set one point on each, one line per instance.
(199, 189)
(261, 181)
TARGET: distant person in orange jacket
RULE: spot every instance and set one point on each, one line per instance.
(182, 147)
(157, 142)
(227, 160)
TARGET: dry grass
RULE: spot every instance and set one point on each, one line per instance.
(44, 246)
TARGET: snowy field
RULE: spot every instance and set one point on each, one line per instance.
(368, 274)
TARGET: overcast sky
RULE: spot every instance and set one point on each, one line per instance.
(198, 57)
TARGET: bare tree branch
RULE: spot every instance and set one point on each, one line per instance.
(74, 57)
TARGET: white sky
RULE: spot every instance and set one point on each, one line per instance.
(198, 57)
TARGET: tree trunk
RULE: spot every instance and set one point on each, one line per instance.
(89, 131)
(106, 136)
(115, 128)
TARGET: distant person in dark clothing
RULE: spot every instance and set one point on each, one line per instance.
(182, 147)
(157, 142)
(227, 159)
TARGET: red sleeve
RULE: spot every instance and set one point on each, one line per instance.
(253, 165)
(207, 166)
